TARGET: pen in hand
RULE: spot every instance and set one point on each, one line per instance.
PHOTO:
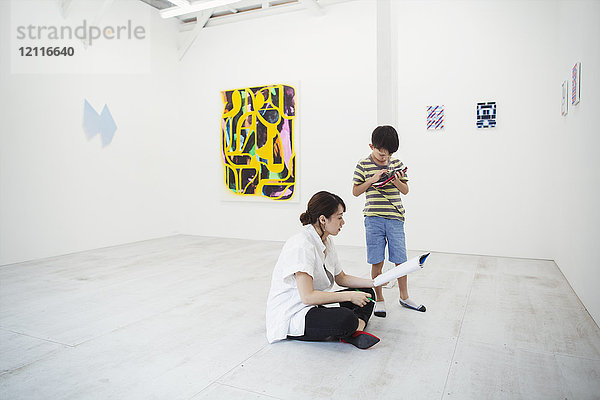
(368, 298)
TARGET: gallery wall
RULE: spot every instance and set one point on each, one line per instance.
(60, 192)
(576, 173)
(477, 190)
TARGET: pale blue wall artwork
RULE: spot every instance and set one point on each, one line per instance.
(101, 124)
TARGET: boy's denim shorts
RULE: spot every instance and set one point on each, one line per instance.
(380, 231)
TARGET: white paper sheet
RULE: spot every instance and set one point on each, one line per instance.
(403, 269)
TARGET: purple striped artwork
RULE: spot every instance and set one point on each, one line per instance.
(575, 83)
(435, 117)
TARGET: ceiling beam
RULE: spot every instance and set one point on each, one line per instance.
(201, 21)
(195, 7)
(180, 3)
(294, 6)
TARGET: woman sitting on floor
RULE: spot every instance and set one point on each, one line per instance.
(303, 277)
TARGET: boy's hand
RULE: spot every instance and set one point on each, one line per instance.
(400, 180)
(376, 176)
(399, 175)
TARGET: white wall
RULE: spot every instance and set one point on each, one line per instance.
(530, 187)
(61, 193)
(475, 190)
(577, 194)
(333, 58)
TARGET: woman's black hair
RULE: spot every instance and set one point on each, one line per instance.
(385, 137)
(322, 203)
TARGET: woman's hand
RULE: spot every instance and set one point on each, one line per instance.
(359, 298)
(310, 296)
(351, 281)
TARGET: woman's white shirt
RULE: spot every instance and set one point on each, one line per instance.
(303, 252)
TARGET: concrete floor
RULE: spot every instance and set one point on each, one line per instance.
(183, 318)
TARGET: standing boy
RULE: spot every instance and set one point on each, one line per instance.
(383, 179)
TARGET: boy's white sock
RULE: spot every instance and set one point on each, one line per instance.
(408, 303)
(380, 309)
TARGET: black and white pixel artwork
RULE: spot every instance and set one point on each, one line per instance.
(486, 114)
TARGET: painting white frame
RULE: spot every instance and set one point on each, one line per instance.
(564, 105)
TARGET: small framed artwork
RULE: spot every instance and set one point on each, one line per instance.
(435, 117)
(564, 105)
(486, 115)
(576, 84)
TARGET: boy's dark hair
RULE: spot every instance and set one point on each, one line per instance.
(385, 137)
(322, 203)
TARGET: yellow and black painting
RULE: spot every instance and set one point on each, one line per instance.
(257, 136)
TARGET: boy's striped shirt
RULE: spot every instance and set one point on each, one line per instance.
(384, 201)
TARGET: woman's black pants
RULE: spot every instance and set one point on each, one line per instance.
(328, 323)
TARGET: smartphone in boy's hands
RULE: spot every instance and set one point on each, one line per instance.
(403, 178)
(389, 176)
(402, 173)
